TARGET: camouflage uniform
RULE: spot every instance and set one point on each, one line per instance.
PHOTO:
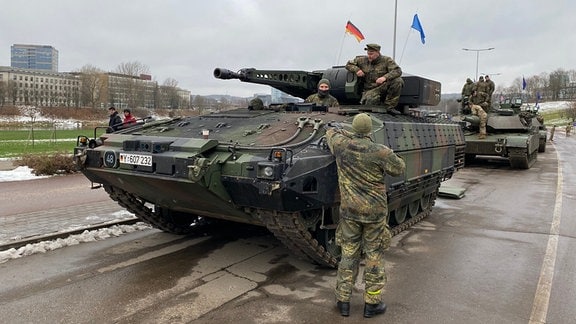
(382, 66)
(481, 86)
(323, 98)
(481, 99)
(490, 87)
(467, 88)
(362, 166)
(478, 111)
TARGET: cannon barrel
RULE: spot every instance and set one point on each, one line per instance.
(344, 85)
(225, 74)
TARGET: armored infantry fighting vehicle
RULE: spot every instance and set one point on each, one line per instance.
(512, 133)
(270, 166)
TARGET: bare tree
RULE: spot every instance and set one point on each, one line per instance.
(169, 94)
(93, 85)
(132, 89)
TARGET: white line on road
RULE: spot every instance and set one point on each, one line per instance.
(542, 297)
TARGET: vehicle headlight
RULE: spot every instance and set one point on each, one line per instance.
(269, 171)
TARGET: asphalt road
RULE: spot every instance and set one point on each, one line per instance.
(502, 254)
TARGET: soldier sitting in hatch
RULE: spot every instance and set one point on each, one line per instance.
(323, 97)
(382, 78)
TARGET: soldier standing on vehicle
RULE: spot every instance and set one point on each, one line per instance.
(467, 88)
(323, 97)
(481, 85)
(362, 166)
(382, 78)
(490, 87)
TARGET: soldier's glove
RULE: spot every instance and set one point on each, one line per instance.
(334, 125)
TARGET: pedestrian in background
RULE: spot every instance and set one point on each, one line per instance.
(362, 230)
(115, 122)
(129, 119)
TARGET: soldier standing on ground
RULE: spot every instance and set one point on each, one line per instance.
(362, 166)
(382, 78)
(552, 130)
(323, 97)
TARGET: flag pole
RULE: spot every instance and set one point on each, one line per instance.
(395, 18)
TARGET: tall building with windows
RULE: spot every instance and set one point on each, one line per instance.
(35, 57)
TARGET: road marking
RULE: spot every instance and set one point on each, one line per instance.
(542, 297)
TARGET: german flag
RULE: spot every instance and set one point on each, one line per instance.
(351, 29)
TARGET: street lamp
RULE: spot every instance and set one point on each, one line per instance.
(477, 50)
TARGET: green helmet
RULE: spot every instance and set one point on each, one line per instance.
(256, 104)
(362, 124)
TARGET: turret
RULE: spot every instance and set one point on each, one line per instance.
(345, 85)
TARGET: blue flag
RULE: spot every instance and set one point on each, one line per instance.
(418, 26)
(523, 83)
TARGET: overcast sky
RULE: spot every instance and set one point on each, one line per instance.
(187, 39)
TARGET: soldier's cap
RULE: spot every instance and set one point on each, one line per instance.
(324, 81)
(362, 124)
(372, 47)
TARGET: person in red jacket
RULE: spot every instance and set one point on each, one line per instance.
(129, 119)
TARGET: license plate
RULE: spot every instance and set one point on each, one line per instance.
(136, 159)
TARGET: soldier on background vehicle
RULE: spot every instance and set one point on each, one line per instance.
(382, 78)
(481, 85)
(478, 111)
(481, 99)
(467, 88)
(323, 97)
(491, 87)
(362, 166)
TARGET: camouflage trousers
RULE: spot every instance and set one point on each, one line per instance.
(478, 111)
(354, 238)
(390, 90)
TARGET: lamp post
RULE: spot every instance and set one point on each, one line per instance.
(477, 50)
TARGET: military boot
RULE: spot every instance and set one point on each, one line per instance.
(374, 309)
(393, 112)
(482, 136)
(344, 308)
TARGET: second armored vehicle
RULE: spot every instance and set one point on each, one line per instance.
(511, 133)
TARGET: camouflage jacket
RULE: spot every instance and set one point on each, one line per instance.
(328, 101)
(481, 86)
(467, 88)
(490, 87)
(362, 166)
(479, 99)
(382, 66)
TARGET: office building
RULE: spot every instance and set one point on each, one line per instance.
(34, 57)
